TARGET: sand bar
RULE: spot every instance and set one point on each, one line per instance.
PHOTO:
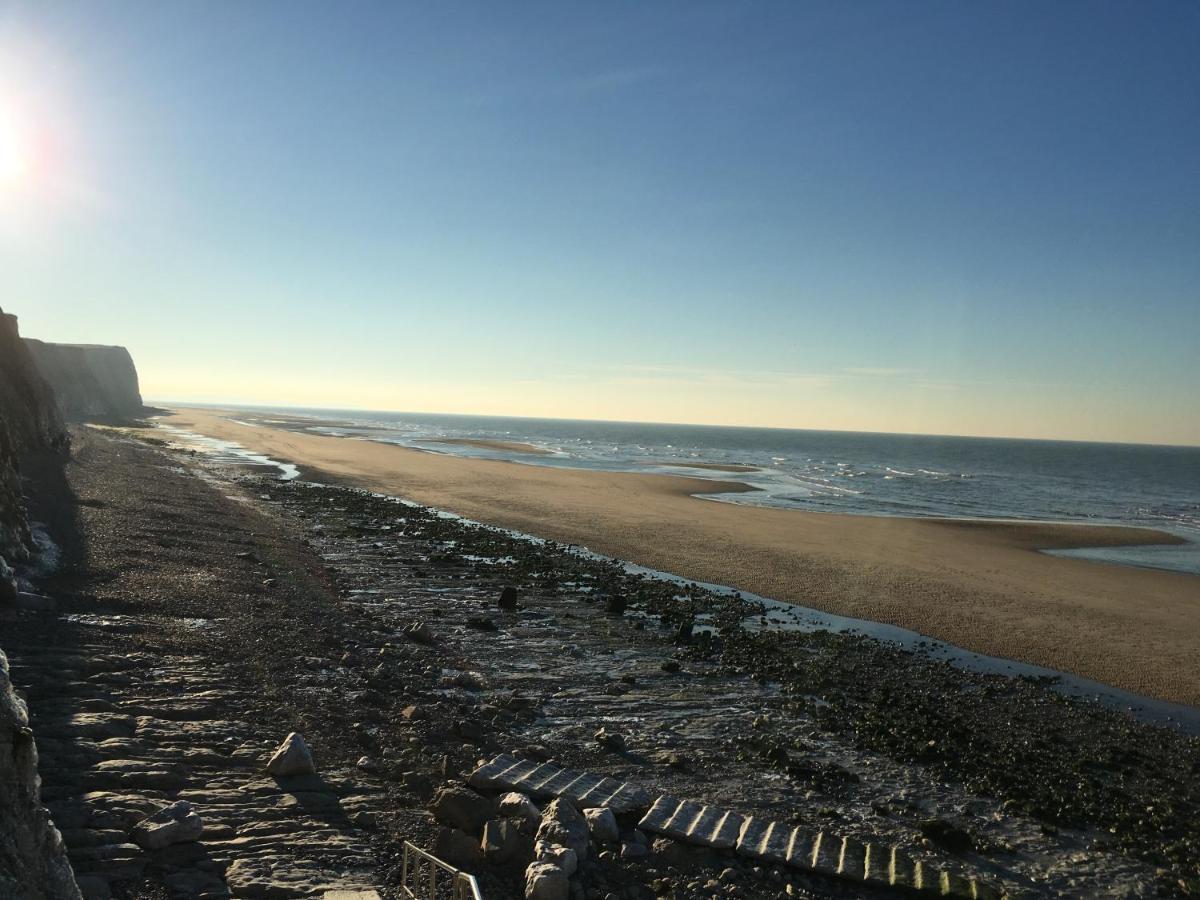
(715, 467)
(979, 585)
(491, 444)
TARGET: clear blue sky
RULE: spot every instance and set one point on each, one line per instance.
(944, 217)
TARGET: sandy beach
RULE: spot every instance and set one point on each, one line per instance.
(980, 585)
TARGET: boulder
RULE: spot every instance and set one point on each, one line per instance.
(603, 825)
(174, 824)
(557, 855)
(503, 842)
(514, 805)
(634, 850)
(292, 757)
(457, 848)
(611, 740)
(461, 807)
(563, 824)
(419, 632)
(508, 598)
(545, 881)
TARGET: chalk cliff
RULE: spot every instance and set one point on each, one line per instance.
(33, 861)
(90, 381)
(30, 422)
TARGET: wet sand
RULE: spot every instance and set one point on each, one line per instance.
(979, 585)
(491, 444)
(715, 467)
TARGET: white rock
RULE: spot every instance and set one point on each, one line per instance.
(603, 825)
(557, 855)
(544, 881)
(292, 758)
(517, 806)
(174, 824)
(563, 824)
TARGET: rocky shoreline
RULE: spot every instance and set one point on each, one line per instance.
(204, 613)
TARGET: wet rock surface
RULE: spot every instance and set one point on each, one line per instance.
(164, 676)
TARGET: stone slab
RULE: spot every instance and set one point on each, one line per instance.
(546, 781)
(694, 823)
(754, 837)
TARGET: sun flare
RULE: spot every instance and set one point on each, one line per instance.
(14, 154)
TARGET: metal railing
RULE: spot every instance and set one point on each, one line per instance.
(426, 877)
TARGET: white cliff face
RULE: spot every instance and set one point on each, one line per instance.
(90, 381)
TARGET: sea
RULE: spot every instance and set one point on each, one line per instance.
(847, 472)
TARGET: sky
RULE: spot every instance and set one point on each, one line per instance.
(955, 218)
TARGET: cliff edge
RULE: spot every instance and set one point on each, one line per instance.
(90, 381)
(33, 860)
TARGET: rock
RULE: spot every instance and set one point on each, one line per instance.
(675, 760)
(34, 602)
(508, 599)
(481, 623)
(634, 850)
(684, 634)
(603, 825)
(545, 881)
(418, 783)
(457, 848)
(671, 665)
(471, 681)
(461, 807)
(471, 730)
(292, 758)
(514, 805)
(557, 855)
(562, 824)
(367, 764)
(414, 713)
(419, 632)
(8, 584)
(503, 842)
(947, 835)
(615, 604)
(611, 740)
(174, 824)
